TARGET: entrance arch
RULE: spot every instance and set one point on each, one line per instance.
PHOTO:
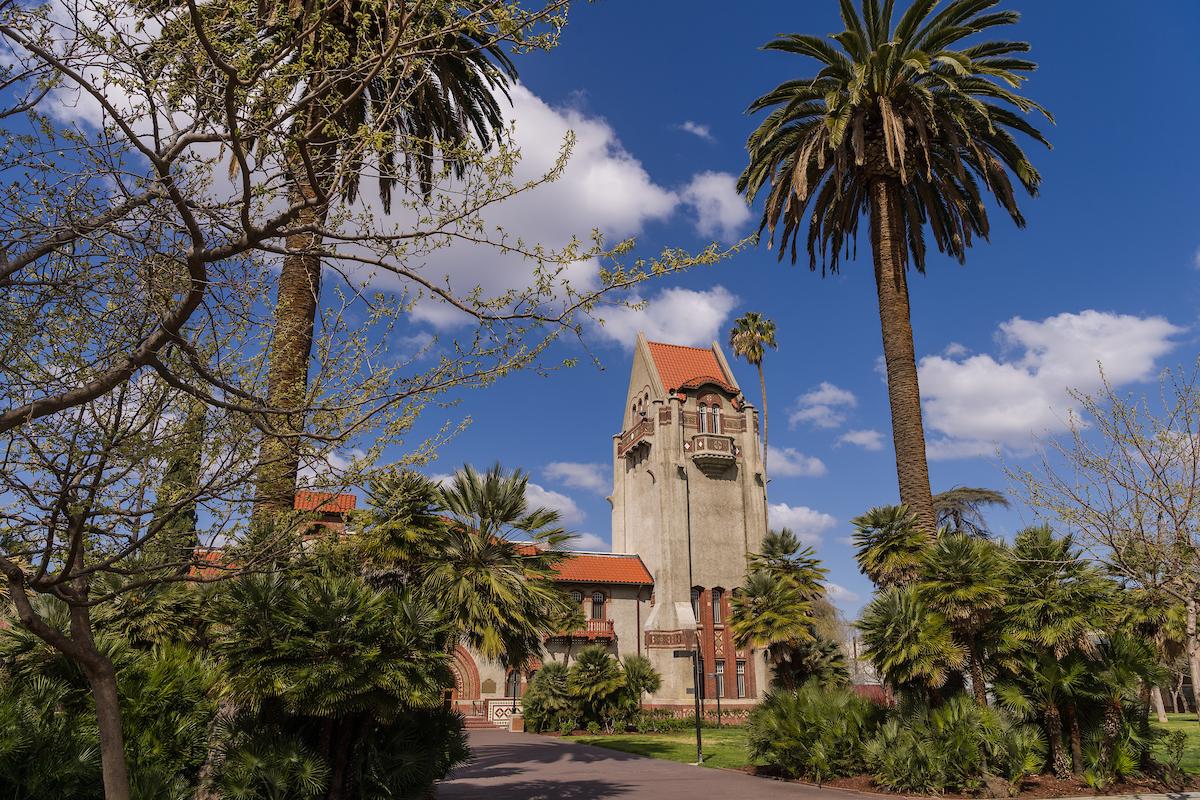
(466, 675)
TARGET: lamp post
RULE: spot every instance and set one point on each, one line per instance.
(696, 676)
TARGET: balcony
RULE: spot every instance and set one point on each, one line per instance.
(635, 436)
(712, 452)
(595, 629)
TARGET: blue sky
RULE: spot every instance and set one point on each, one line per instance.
(1108, 268)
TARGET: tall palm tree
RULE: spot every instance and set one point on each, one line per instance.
(768, 613)
(448, 100)
(961, 508)
(966, 580)
(784, 558)
(751, 335)
(910, 126)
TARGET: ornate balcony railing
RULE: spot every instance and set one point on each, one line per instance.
(594, 629)
(712, 452)
(634, 435)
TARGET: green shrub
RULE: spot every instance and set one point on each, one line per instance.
(401, 761)
(813, 732)
(547, 703)
(954, 746)
(593, 728)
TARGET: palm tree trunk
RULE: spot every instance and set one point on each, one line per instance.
(978, 685)
(762, 384)
(1054, 736)
(904, 394)
(1076, 737)
(298, 294)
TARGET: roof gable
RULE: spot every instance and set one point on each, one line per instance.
(681, 367)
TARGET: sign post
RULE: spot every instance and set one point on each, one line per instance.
(696, 679)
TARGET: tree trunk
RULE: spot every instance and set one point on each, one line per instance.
(297, 298)
(1193, 652)
(978, 684)
(1054, 736)
(762, 385)
(1076, 738)
(1160, 708)
(904, 394)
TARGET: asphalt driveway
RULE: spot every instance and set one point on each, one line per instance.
(519, 766)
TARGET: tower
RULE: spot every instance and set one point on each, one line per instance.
(688, 497)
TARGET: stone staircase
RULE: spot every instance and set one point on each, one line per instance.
(480, 722)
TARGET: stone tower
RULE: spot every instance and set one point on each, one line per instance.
(688, 497)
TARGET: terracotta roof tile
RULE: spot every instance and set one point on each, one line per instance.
(604, 568)
(684, 367)
(325, 502)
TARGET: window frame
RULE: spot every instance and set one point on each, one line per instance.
(602, 599)
(740, 671)
(717, 596)
(719, 673)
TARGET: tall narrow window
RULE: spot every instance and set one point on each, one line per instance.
(716, 419)
(741, 679)
(720, 670)
(717, 596)
(597, 605)
(696, 604)
(703, 418)
(577, 597)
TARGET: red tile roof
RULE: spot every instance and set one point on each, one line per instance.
(604, 568)
(686, 367)
(325, 502)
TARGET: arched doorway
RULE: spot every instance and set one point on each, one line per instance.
(465, 694)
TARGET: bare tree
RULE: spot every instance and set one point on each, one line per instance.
(1127, 481)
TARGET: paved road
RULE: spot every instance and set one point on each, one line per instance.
(519, 766)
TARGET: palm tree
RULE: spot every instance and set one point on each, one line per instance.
(640, 678)
(784, 558)
(908, 126)
(961, 508)
(1042, 685)
(771, 614)
(910, 644)
(448, 100)
(751, 335)
(889, 545)
(595, 682)
(966, 580)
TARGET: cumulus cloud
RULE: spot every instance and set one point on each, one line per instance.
(840, 594)
(592, 477)
(866, 439)
(978, 404)
(808, 524)
(591, 542)
(698, 129)
(1196, 258)
(824, 406)
(679, 316)
(539, 497)
(787, 462)
(720, 210)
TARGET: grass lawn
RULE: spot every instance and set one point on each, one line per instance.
(723, 747)
(1188, 724)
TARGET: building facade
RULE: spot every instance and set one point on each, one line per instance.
(688, 505)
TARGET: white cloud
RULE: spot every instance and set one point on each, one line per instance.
(590, 541)
(1196, 258)
(720, 210)
(808, 524)
(840, 594)
(978, 404)
(824, 406)
(592, 477)
(679, 316)
(698, 129)
(866, 439)
(538, 497)
(955, 350)
(786, 462)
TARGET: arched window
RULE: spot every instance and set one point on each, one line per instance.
(696, 603)
(597, 605)
(717, 596)
(512, 684)
(577, 597)
(716, 419)
(703, 418)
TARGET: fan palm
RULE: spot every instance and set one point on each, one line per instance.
(751, 335)
(910, 644)
(1040, 687)
(640, 678)
(889, 545)
(769, 612)
(412, 84)
(784, 558)
(595, 681)
(966, 581)
(908, 125)
(961, 508)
